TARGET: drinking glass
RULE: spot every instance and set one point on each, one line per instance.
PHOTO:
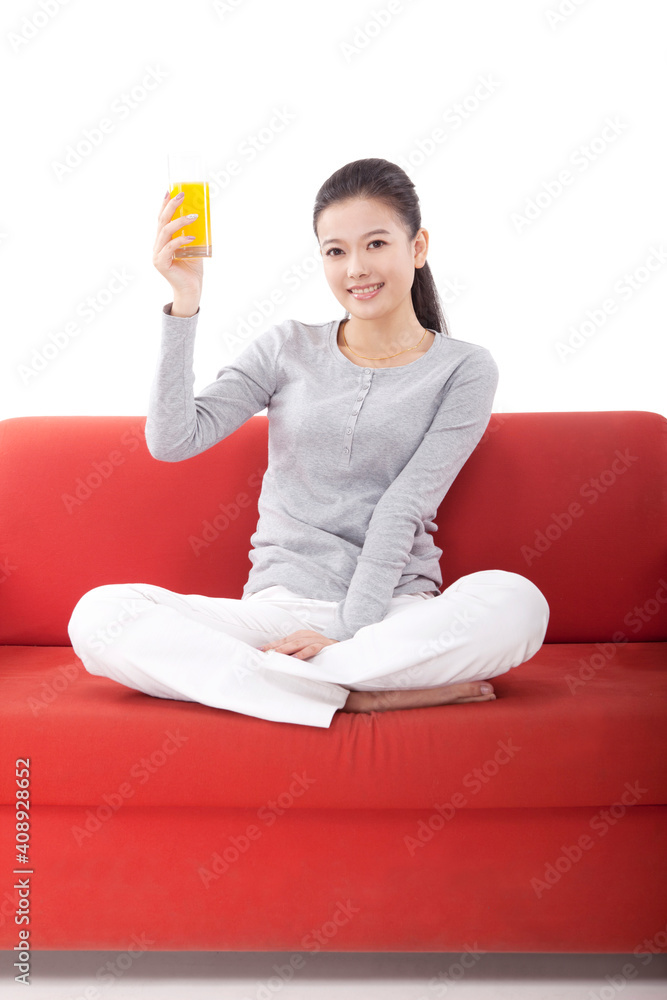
(187, 173)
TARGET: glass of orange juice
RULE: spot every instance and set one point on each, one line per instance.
(187, 174)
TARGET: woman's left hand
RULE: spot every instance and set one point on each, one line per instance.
(302, 644)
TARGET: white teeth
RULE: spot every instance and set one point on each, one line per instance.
(365, 291)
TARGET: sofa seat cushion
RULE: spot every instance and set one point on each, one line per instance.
(577, 725)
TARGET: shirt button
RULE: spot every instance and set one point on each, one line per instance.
(346, 450)
(367, 371)
(349, 431)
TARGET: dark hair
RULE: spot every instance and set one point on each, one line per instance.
(377, 178)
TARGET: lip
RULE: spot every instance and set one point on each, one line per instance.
(367, 295)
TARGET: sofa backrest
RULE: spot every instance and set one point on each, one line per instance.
(576, 502)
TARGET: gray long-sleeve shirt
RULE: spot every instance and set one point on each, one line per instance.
(359, 459)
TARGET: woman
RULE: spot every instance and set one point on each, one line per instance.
(370, 420)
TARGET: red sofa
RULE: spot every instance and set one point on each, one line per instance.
(533, 823)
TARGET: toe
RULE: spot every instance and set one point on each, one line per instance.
(474, 691)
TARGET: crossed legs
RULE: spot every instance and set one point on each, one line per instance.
(196, 648)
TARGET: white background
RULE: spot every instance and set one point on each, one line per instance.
(353, 90)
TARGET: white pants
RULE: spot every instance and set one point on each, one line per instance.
(206, 649)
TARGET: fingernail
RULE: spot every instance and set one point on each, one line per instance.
(485, 688)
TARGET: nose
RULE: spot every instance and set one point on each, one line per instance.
(356, 270)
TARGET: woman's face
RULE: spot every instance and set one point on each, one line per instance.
(354, 254)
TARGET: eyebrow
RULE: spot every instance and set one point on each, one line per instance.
(372, 233)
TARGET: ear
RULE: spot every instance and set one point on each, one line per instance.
(420, 247)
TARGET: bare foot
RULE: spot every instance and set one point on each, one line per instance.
(447, 694)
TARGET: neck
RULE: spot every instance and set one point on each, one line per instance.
(371, 337)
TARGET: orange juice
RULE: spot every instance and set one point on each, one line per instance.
(196, 200)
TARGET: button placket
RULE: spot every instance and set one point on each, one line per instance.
(352, 419)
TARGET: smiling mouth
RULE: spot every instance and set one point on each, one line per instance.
(367, 290)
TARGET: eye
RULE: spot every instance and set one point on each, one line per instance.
(329, 252)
